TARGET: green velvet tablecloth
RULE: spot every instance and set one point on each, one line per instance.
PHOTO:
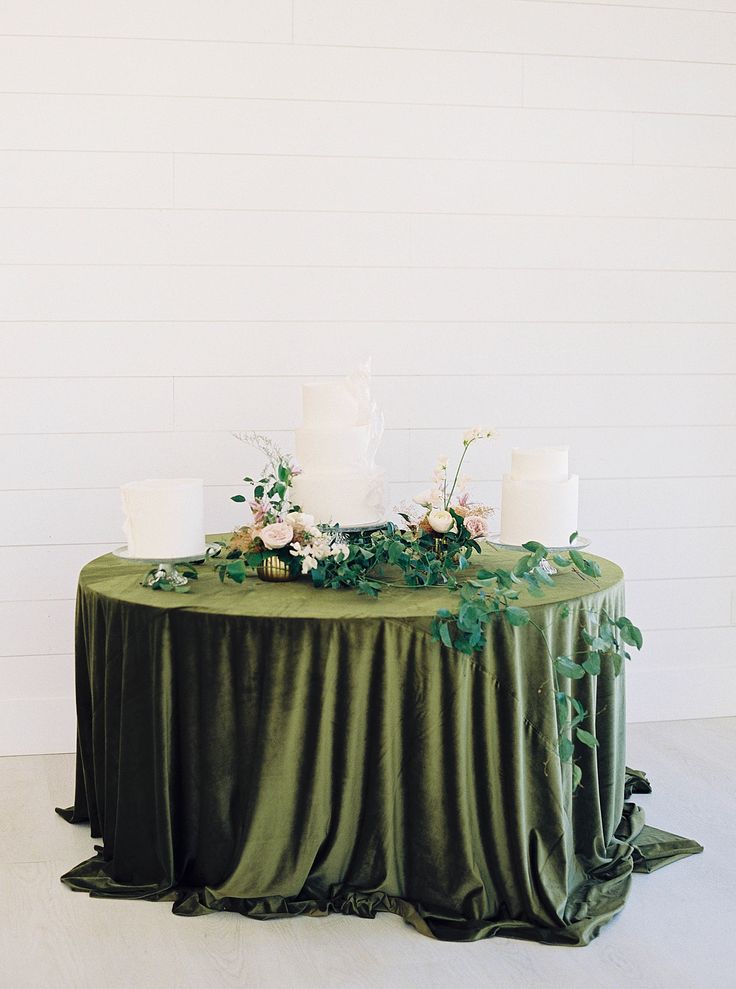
(274, 749)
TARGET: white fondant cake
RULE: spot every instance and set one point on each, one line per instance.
(335, 448)
(539, 498)
(164, 518)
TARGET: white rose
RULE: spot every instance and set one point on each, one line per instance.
(440, 520)
(301, 519)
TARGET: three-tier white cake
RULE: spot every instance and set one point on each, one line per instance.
(539, 498)
(335, 449)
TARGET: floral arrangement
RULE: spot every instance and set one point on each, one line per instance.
(279, 529)
(448, 508)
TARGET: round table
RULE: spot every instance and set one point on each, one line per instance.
(275, 749)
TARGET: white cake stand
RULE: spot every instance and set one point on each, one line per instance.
(165, 569)
(581, 542)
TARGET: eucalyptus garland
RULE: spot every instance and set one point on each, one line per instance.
(425, 560)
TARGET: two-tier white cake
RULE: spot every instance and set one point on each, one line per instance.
(539, 498)
(335, 449)
(164, 518)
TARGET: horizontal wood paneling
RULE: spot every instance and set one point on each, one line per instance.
(233, 293)
(595, 452)
(526, 188)
(137, 123)
(35, 628)
(48, 405)
(246, 20)
(678, 458)
(45, 573)
(26, 678)
(613, 84)
(37, 725)
(440, 402)
(274, 72)
(90, 515)
(362, 239)
(682, 649)
(94, 515)
(113, 348)
(85, 179)
(659, 554)
(683, 693)
(574, 29)
(678, 140)
(681, 602)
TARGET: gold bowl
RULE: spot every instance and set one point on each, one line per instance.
(275, 569)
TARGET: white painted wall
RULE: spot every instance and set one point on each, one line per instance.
(524, 210)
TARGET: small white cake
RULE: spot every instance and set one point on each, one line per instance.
(164, 518)
(335, 449)
(539, 498)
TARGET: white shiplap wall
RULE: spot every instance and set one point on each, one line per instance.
(525, 211)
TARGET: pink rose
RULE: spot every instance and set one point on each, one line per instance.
(276, 535)
(476, 526)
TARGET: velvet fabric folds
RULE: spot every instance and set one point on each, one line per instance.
(277, 750)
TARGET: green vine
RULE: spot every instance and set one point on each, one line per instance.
(433, 550)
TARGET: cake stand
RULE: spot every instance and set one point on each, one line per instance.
(581, 542)
(165, 570)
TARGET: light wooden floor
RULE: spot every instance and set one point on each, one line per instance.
(678, 929)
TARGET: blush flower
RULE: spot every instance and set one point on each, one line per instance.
(476, 526)
(277, 535)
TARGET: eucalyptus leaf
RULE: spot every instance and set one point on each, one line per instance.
(517, 616)
(586, 738)
(445, 635)
(565, 748)
(577, 775)
(567, 667)
(592, 664)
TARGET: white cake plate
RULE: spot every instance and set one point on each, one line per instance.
(355, 529)
(580, 543)
(165, 569)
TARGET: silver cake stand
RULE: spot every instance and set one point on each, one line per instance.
(166, 569)
(580, 543)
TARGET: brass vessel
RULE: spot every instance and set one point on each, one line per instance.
(275, 569)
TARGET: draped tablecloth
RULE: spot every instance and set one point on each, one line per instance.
(275, 749)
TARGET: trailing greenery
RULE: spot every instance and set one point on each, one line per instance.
(425, 560)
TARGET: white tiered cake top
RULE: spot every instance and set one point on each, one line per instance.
(331, 404)
(539, 498)
(336, 449)
(544, 463)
